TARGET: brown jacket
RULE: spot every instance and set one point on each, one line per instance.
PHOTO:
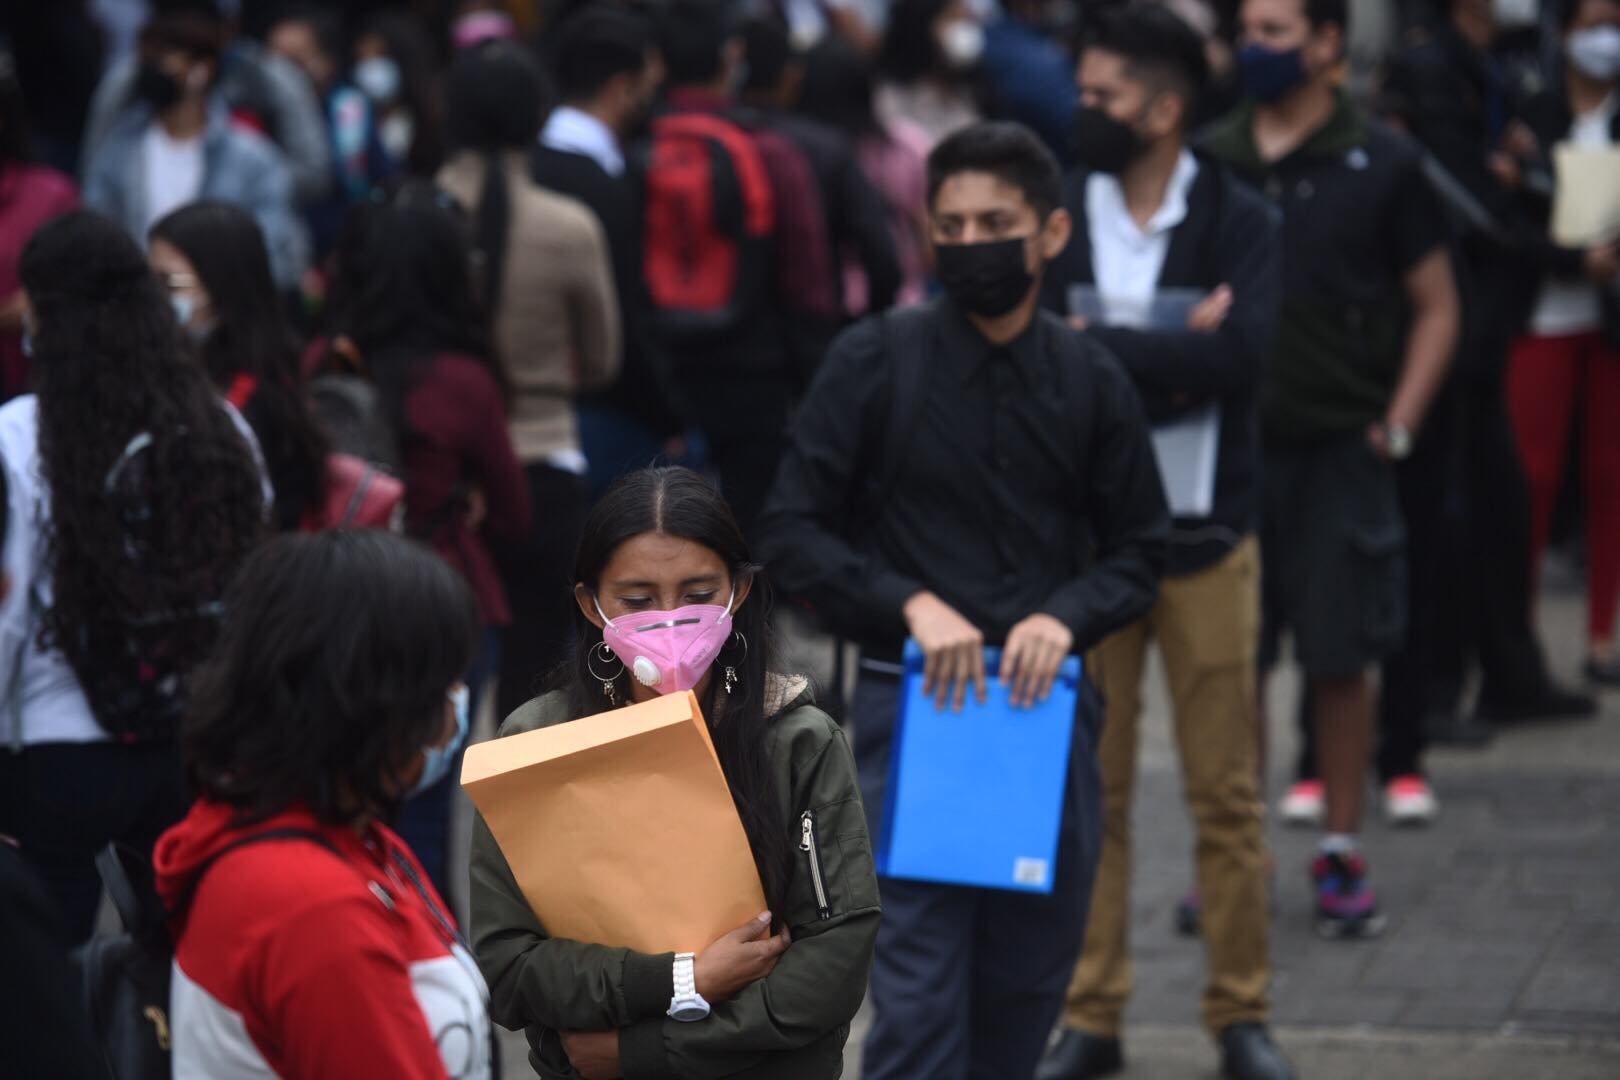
(557, 320)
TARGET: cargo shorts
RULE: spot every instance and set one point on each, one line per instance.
(1333, 552)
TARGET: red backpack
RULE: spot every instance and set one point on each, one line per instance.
(708, 218)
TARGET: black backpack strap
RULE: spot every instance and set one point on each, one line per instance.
(907, 333)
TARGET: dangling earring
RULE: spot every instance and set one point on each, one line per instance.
(731, 670)
(609, 682)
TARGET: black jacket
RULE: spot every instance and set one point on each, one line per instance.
(1228, 237)
(857, 219)
(645, 389)
(1550, 118)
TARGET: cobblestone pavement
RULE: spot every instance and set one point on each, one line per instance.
(1502, 956)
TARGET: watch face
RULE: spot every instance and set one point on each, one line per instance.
(688, 1013)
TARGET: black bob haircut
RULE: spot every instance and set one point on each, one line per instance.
(692, 35)
(1157, 46)
(329, 676)
(594, 46)
(1010, 152)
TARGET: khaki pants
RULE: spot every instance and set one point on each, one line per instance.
(1207, 627)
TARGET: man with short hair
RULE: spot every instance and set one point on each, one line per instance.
(1174, 266)
(1024, 511)
(744, 275)
(857, 219)
(1368, 325)
(175, 144)
(605, 66)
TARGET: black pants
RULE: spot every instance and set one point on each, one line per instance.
(539, 579)
(65, 802)
(967, 983)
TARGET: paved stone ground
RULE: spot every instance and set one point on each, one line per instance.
(1502, 957)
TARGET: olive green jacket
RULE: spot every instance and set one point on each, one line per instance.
(792, 1024)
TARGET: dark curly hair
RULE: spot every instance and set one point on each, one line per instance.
(250, 336)
(330, 676)
(111, 364)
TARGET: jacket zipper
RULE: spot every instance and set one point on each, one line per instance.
(807, 844)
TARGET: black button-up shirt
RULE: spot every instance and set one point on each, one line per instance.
(1028, 485)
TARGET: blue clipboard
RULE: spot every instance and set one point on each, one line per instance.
(976, 797)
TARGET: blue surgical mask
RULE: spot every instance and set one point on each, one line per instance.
(185, 306)
(436, 759)
(1268, 75)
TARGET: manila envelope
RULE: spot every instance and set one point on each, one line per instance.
(620, 828)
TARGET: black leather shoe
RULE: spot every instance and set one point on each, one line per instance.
(1080, 1055)
(1247, 1053)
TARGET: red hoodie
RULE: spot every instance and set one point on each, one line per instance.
(294, 960)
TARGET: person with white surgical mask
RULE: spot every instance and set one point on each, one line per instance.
(929, 66)
(1570, 354)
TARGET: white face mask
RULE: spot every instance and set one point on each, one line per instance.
(1511, 14)
(378, 78)
(1595, 52)
(962, 42)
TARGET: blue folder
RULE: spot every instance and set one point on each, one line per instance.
(976, 797)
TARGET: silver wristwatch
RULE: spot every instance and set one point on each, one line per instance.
(687, 1005)
(1397, 442)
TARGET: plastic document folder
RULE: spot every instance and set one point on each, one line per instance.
(976, 797)
(1187, 448)
(620, 828)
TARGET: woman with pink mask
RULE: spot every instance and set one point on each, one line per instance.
(669, 600)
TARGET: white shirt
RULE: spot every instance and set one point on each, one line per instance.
(1127, 258)
(1569, 306)
(575, 131)
(40, 698)
(174, 171)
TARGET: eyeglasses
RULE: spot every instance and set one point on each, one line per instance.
(178, 280)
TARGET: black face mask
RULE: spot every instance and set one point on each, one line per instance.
(987, 279)
(1103, 143)
(156, 87)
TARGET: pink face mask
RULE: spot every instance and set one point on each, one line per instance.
(669, 651)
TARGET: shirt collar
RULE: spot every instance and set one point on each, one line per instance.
(963, 340)
(576, 131)
(1106, 204)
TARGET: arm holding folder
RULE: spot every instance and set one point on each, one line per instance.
(548, 985)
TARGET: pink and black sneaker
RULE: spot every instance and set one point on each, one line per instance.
(1346, 906)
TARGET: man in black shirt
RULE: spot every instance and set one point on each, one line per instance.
(1174, 267)
(971, 473)
(607, 70)
(1367, 329)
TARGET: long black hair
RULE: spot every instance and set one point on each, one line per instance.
(330, 675)
(402, 292)
(419, 92)
(112, 364)
(496, 96)
(250, 337)
(680, 503)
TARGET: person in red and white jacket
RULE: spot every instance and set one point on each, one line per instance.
(308, 941)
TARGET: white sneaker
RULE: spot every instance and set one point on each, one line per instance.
(1409, 800)
(1305, 805)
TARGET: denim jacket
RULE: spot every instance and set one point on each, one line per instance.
(240, 167)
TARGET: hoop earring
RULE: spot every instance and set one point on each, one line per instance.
(607, 655)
